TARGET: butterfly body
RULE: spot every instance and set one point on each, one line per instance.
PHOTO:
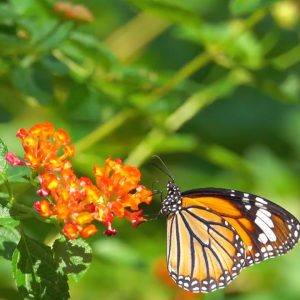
(213, 233)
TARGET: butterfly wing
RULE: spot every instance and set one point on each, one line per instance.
(266, 229)
(204, 252)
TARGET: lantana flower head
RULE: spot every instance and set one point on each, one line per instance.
(79, 203)
(46, 149)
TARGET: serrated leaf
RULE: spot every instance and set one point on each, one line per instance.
(72, 256)
(37, 273)
(6, 218)
(9, 239)
(3, 162)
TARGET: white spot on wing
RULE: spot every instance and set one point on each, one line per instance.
(258, 199)
(266, 229)
(265, 218)
(266, 212)
(263, 238)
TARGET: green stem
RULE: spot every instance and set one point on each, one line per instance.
(12, 198)
(186, 71)
(103, 130)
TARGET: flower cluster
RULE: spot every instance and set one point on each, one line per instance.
(78, 202)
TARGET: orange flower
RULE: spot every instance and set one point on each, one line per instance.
(43, 207)
(78, 202)
(88, 231)
(45, 148)
(73, 12)
(71, 231)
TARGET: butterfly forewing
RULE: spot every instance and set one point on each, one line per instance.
(266, 229)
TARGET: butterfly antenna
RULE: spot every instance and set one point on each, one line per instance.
(165, 169)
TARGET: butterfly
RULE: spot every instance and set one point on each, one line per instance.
(214, 233)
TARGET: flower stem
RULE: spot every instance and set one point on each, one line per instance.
(12, 198)
(103, 130)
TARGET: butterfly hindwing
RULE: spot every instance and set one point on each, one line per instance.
(204, 250)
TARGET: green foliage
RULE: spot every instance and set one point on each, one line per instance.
(212, 86)
(9, 238)
(3, 162)
(240, 7)
(73, 257)
(36, 272)
(6, 219)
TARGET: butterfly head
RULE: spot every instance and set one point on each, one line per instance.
(172, 202)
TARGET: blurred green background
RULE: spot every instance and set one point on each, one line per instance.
(211, 86)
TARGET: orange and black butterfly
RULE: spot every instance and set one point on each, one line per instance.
(213, 233)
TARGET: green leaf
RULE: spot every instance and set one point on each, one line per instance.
(3, 162)
(174, 12)
(34, 82)
(22, 7)
(7, 15)
(56, 34)
(9, 239)
(36, 272)
(237, 46)
(3, 195)
(72, 256)
(89, 46)
(240, 7)
(18, 174)
(6, 218)
(54, 66)
(11, 44)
